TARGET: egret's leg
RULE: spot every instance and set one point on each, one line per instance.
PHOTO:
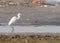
(12, 28)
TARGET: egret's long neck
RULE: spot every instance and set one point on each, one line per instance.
(18, 17)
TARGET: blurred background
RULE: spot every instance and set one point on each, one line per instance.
(35, 12)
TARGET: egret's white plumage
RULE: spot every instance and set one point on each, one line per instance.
(13, 20)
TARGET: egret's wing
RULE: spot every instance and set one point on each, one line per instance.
(12, 20)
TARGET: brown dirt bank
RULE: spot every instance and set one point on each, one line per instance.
(29, 38)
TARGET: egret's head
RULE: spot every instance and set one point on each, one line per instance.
(19, 14)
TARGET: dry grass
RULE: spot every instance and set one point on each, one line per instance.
(29, 39)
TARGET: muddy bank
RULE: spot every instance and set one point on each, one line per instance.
(29, 39)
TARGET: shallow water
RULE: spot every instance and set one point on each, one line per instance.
(34, 29)
(32, 15)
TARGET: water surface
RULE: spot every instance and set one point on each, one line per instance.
(34, 29)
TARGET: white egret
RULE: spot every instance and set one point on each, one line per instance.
(13, 20)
